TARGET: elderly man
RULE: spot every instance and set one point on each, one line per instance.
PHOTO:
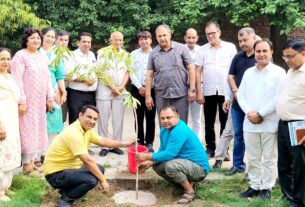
(191, 38)
(181, 158)
(291, 107)
(113, 63)
(240, 63)
(212, 63)
(82, 85)
(257, 96)
(139, 59)
(67, 165)
(170, 64)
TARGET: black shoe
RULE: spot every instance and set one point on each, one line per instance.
(90, 152)
(116, 151)
(103, 152)
(62, 203)
(217, 164)
(150, 148)
(234, 170)
(265, 194)
(210, 153)
(227, 159)
(249, 193)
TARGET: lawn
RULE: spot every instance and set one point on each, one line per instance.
(218, 193)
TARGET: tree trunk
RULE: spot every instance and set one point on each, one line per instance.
(278, 43)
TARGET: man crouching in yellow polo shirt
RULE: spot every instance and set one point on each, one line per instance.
(68, 166)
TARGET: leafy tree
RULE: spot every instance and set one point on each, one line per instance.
(283, 16)
(101, 17)
(15, 16)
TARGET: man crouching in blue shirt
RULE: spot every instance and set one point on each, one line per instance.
(181, 158)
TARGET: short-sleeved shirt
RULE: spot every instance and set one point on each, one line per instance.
(215, 64)
(65, 149)
(240, 63)
(170, 72)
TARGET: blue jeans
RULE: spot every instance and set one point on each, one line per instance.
(239, 145)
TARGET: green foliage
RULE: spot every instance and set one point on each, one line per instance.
(288, 14)
(15, 16)
(62, 54)
(101, 17)
(29, 192)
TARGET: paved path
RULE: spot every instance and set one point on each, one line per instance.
(117, 164)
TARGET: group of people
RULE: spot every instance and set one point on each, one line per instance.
(255, 100)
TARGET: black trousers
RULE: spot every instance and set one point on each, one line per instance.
(74, 183)
(210, 109)
(291, 166)
(142, 112)
(76, 100)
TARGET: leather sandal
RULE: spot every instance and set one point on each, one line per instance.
(187, 197)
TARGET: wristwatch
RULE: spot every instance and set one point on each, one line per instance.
(192, 90)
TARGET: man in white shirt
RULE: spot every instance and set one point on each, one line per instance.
(113, 63)
(212, 65)
(82, 81)
(139, 59)
(257, 96)
(191, 38)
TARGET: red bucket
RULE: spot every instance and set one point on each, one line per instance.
(131, 152)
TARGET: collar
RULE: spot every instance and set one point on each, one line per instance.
(302, 68)
(194, 49)
(141, 51)
(173, 46)
(79, 126)
(245, 55)
(220, 45)
(266, 68)
(81, 54)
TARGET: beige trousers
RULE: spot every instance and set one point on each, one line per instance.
(261, 151)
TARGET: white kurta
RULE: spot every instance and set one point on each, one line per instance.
(10, 149)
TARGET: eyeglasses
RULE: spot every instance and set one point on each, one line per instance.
(288, 57)
(211, 33)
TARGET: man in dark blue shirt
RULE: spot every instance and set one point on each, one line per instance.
(240, 63)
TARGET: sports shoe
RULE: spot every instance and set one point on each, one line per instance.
(249, 193)
(62, 203)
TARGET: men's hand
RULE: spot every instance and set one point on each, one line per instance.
(142, 91)
(2, 132)
(49, 105)
(149, 102)
(90, 82)
(105, 186)
(141, 156)
(226, 106)
(191, 96)
(63, 98)
(254, 118)
(143, 166)
(22, 109)
(302, 141)
(200, 98)
(115, 91)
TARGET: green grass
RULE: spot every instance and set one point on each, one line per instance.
(226, 193)
(29, 192)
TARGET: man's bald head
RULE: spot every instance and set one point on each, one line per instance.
(116, 40)
(191, 37)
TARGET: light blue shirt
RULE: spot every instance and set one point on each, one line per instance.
(139, 61)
